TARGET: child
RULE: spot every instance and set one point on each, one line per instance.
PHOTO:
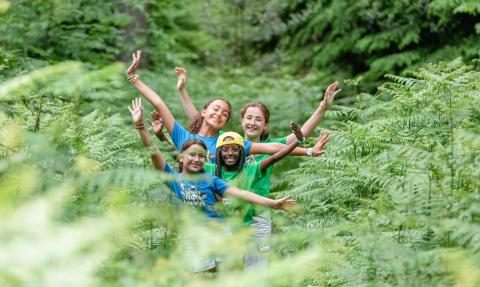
(205, 126)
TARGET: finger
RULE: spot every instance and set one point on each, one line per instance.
(130, 109)
(133, 104)
(140, 102)
(336, 92)
(291, 201)
(133, 57)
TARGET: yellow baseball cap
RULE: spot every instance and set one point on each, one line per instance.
(234, 138)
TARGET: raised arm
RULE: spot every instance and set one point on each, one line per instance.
(137, 115)
(282, 203)
(264, 164)
(310, 125)
(187, 103)
(149, 94)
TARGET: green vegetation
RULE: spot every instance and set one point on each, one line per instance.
(393, 202)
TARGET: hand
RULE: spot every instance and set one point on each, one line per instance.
(157, 122)
(297, 131)
(318, 148)
(137, 111)
(330, 94)
(182, 78)
(284, 203)
(135, 62)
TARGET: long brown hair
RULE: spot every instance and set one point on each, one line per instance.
(266, 115)
(196, 122)
(188, 144)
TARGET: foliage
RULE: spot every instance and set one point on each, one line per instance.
(394, 201)
(399, 184)
(369, 38)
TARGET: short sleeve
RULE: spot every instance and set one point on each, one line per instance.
(179, 135)
(283, 140)
(168, 169)
(210, 168)
(248, 146)
(219, 186)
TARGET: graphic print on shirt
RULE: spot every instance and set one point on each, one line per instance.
(192, 195)
(250, 159)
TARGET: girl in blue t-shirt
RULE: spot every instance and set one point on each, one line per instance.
(201, 191)
(205, 126)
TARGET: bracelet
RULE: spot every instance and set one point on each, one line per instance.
(133, 78)
(301, 141)
(323, 105)
(140, 127)
(309, 152)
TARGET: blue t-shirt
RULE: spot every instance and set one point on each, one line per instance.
(180, 135)
(199, 192)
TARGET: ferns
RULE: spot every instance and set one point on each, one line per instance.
(413, 159)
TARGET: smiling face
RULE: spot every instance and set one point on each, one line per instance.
(254, 123)
(216, 114)
(230, 154)
(193, 159)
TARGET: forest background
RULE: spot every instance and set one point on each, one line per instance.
(395, 201)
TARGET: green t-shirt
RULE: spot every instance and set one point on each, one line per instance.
(262, 185)
(244, 179)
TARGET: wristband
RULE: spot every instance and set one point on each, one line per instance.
(133, 78)
(309, 152)
(301, 141)
(323, 105)
(140, 127)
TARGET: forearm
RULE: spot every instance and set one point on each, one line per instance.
(157, 102)
(250, 196)
(190, 110)
(309, 126)
(278, 155)
(157, 159)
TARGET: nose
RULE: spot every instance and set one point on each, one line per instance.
(252, 121)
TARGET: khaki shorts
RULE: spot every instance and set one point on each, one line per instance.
(262, 232)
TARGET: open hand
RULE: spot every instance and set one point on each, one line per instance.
(284, 203)
(322, 140)
(296, 131)
(135, 62)
(157, 122)
(330, 94)
(182, 78)
(137, 111)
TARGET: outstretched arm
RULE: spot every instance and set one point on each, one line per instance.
(187, 103)
(137, 115)
(271, 148)
(282, 203)
(264, 164)
(310, 125)
(149, 94)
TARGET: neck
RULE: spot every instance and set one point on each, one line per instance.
(254, 139)
(207, 131)
(229, 168)
(184, 172)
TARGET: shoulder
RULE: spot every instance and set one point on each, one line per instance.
(210, 168)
